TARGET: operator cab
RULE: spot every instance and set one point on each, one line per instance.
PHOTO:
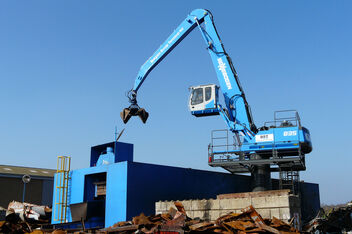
(203, 100)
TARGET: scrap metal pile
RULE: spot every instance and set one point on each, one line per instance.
(249, 221)
(24, 217)
(337, 220)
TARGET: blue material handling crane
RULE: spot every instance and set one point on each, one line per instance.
(279, 145)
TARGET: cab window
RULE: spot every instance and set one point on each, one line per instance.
(207, 93)
(197, 96)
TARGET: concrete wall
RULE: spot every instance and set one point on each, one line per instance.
(268, 204)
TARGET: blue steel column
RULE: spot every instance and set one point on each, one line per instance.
(116, 193)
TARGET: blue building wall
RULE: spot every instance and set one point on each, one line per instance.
(123, 152)
(116, 190)
(149, 183)
(79, 190)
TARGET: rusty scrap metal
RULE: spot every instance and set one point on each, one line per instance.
(241, 225)
(59, 231)
(122, 229)
(337, 220)
(177, 221)
(258, 220)
(281, 225)
(201, 226)
(180, 207)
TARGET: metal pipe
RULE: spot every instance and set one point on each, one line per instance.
(261, 176)
(24, 191)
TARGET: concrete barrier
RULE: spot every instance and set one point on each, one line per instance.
(276, 203)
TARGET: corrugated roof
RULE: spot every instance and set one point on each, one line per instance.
(15, 170)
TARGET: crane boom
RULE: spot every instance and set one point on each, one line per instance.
(238, 115)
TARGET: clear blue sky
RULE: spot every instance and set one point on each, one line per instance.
(65, 67)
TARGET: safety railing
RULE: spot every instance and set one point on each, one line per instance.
(223, 150)
(221, 135)
(235, 152)
(284, 118)
(221, 142)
